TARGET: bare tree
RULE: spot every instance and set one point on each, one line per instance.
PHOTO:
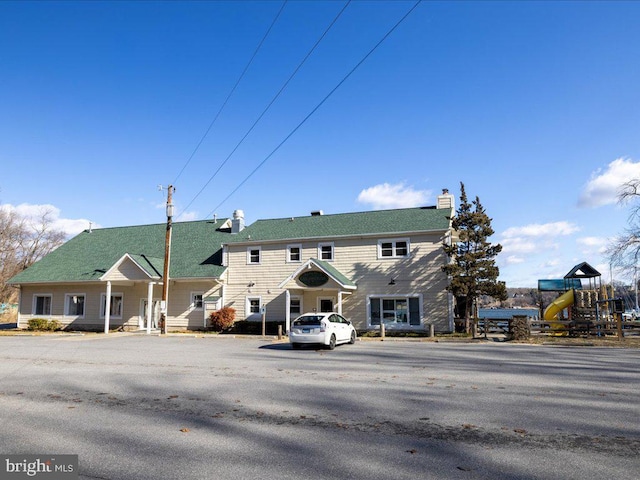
(624, 250)
(24, 241)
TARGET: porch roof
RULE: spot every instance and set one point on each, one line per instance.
(332, 272)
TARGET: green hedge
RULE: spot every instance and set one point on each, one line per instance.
(44, 325)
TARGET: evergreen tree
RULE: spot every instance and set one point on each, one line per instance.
(472, 270)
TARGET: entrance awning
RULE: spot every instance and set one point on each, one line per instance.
(318, 274)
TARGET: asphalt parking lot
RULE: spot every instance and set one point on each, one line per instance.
(181, 407)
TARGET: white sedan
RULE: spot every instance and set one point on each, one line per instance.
(329, 329)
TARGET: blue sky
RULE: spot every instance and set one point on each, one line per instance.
(533, 105)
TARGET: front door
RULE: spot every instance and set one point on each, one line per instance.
(155, 314)
(325, 304)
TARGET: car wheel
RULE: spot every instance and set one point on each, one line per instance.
(295, 346)
(332, 342)
(353, 338)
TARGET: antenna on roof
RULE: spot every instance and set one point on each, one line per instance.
(90, 227)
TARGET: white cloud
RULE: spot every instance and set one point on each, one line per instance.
(188, 216)
(541, 230)
(513, 260)
(603, 187)
(593, 244)
(33, 213)
(398, 195)
(518, 245)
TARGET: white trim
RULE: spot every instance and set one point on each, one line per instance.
(307, 265)
(126, 256)
(192, 305)
(420, 298)
(333, 303)
(66, 304)
(153, 308)
(296, 297)
(333, 251)
(247, 306)
(103, 305)
(34, 301)
(394, 248)
(249, 255)
(289, 247)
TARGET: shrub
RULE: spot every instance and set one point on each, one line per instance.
(222, 319)
(44, 325)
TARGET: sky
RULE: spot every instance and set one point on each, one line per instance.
(280, 109)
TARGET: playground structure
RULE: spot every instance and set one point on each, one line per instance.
(590, 307)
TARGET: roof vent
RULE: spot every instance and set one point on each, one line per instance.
(317, 213)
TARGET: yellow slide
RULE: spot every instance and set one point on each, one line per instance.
(551, 312)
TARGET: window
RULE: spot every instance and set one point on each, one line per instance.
(325, 251)
(196, 300)
(74, 305)
(295, 307)
(395, 311)
(116, 303)
(253, 306)
(41, 305)
(294, 253)
(253, 255)
(393, 248)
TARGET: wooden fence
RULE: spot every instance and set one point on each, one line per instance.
(617, 327)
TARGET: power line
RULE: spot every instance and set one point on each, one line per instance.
(344, 79)
(284, 86)
(224, 104)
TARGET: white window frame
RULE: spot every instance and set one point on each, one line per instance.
(249, 260)
(333, 251)
(35, 303)
(299, 298)
(103, 305)
(399, 296)
(394, 248)
(192, 303)
(299, 247)
(247, 306)
(66, 304)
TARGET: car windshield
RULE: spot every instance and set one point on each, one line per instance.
(310, 320)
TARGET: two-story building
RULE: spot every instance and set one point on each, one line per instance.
(373, 267)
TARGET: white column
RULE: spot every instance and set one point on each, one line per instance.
(287, 312)
(149, 306)
(340, 302)
(107, 307)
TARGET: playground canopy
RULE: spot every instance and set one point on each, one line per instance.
(573, 279)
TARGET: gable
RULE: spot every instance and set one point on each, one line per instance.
(129, 268)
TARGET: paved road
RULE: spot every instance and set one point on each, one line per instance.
(138, 407)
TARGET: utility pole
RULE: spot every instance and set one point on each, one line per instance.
(167, 259)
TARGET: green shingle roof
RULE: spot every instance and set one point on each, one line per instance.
(195, 252)
(346, 224)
